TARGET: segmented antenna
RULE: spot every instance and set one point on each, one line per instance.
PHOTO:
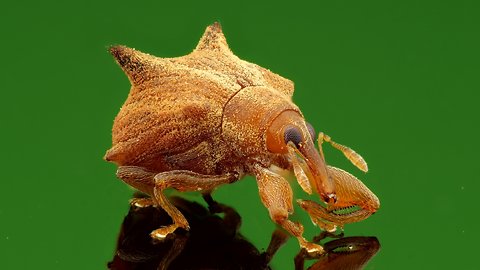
(351, 155)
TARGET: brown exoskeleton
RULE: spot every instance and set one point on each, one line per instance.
(354, 202)
(195, 122)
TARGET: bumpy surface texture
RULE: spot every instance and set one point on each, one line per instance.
(174, 114)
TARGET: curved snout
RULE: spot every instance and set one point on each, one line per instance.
(317, 170)
(288, 134)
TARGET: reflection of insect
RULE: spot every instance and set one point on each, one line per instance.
(212, 243)
(195, 122)
(346, 253)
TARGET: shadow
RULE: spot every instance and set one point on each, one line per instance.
(345, 253)
(213, 242)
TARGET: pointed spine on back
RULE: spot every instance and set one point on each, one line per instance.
(213, 39)
(138, 66)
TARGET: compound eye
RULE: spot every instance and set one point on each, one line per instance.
(293, 134)
(311, 130)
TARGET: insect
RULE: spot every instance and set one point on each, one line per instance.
(196, 122)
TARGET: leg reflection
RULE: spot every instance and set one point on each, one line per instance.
(344, 253)
(213, 242)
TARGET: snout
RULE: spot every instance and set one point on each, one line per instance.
(320, 179)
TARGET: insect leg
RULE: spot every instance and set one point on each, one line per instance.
(231, 217)
(137, 177)
(213, 206)
(276, 195)
(355, 202)
(182, 180)
(278, 239)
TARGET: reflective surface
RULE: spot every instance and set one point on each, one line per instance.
(398, 81)
(214, 242)
(351, 253)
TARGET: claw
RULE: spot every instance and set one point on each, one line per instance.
(141, 202)
(161, 233)
(312, 249)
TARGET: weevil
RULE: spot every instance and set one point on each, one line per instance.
(196, 122)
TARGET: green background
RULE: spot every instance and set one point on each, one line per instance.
(396, 81)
